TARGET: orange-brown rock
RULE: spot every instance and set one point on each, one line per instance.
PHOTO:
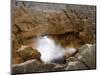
(16, 59)
(28, 53)
(28, 22)
(87, 37)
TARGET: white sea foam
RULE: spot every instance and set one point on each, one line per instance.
(49, 49)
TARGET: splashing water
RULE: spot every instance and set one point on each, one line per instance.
(49, 49)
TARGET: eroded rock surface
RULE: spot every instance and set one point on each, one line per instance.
(28, 53)
(35, 19)
(69, 25)
(84, 59)
(33, 66)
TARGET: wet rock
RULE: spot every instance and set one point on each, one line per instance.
(28, 21)
(75, 65)
(87, 55)
(33, 66)
(28, 53)
(84, 59)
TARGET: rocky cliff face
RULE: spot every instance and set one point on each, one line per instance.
(69, 25)
(35, 19)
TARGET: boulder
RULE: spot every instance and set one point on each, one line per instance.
(84, 59)
(34, 66)
(87, 55)
(28, 53)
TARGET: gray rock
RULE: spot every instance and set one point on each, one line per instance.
(87, 55)
(33, 66)
(75, 65)
(85, 59)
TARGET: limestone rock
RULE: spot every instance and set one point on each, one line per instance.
(28, 53)
(15, 45)
(17, 60)
(75, 65)
(33, 66)
(33, 20)
(73, 24)
(87, 55)
(85, 59)
(87, 37)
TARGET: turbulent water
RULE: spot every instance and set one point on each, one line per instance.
(50, 50)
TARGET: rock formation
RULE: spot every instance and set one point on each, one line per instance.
(72, 26)
(83, 60)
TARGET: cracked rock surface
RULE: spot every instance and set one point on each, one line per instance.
(72, 26)
(83, 60)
